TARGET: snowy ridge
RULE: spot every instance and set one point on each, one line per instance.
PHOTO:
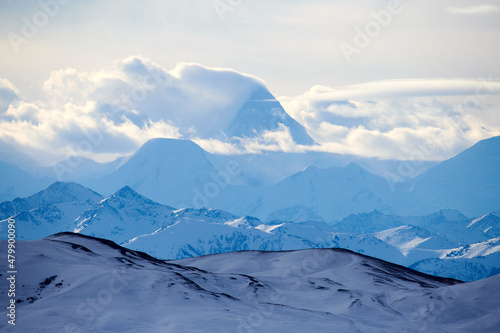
(482, 249)
(56, 193)
(131, 219)
(404, 238)
(94, 285)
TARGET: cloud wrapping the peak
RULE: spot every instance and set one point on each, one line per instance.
(125, 105)
(111, 112)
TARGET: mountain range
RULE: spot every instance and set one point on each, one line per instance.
(243, 223)
(81, 283)
(428, 243)
(180, 173)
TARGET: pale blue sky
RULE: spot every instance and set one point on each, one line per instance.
(292, 45)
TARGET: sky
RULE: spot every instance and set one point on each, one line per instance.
(376, 78)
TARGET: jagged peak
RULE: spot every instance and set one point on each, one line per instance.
(353, 166)
(126, 192)
(62, 186)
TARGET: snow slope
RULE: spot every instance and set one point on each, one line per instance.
(469, 182)
(88, 284)
(313, 194)
(173, 172)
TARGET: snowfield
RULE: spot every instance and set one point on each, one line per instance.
(75, 283)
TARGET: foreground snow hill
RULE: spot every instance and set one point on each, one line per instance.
(75, 283)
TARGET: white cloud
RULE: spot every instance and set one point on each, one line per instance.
(398, 119)
(111, 112)
(124, 106)
(8, 94)
(220, 147)
(272, 140)
(480, 9)
(23, 111)
(190, 95)
(277, 140)
(406, 88)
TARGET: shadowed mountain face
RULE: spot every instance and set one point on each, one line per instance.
(169, 171)
(469, 182)
(95, 285)
(181, 174)
(262, 112)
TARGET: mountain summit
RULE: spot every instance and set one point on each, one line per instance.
(263, 112)
(173, 172)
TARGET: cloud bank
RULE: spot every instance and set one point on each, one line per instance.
(424, 119)
(111, 112)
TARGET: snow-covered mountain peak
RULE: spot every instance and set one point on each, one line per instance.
(158, 145)
(263, 112)
(168, 171)
(449, 215)
(127, 194)
(354, 167)
(56, 193)
(59, 192)
(245, 222)
(165, 150)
